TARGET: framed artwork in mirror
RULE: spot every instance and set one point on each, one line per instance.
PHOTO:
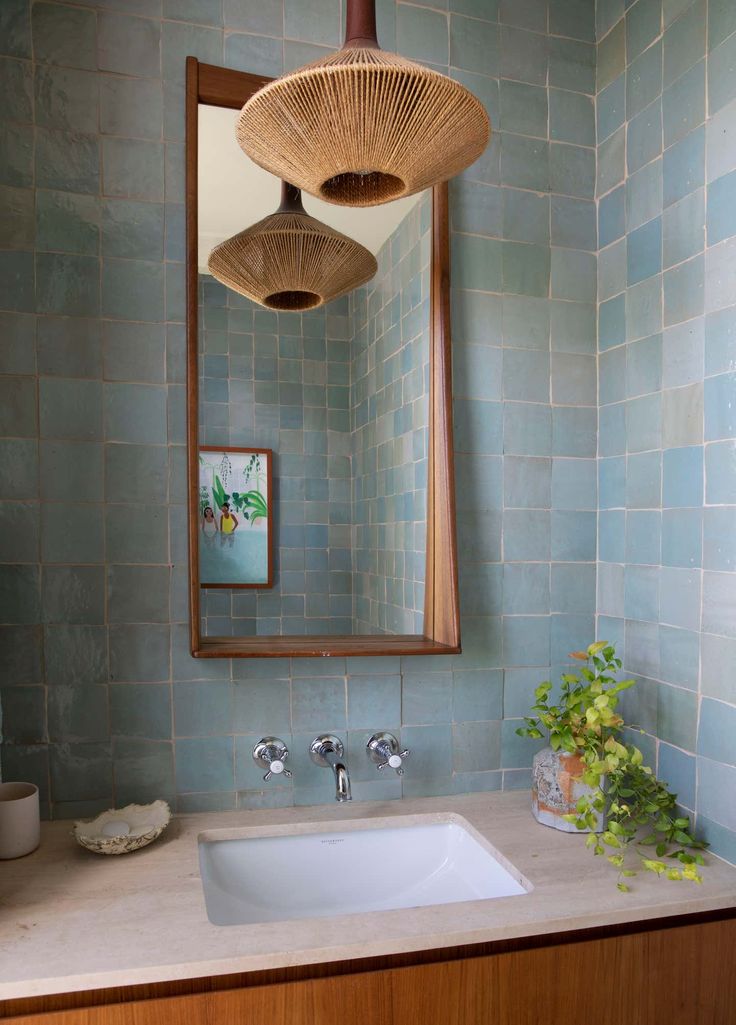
(236, 517)
(349, 406)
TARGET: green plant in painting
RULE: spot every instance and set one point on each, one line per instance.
(219, 494)
(254, 504)
(251, 504)
(641, 814)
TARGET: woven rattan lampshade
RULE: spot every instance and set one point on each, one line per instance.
(363, 126)
(291, 261)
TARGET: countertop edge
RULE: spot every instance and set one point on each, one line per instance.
(246, 964)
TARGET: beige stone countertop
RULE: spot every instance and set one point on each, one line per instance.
(71, 920)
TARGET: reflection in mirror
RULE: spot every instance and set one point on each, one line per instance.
(338, 394)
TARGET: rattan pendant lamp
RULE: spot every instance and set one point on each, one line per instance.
(291, 261)
(363, 126)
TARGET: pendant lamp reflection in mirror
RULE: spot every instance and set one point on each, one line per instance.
(363, 126)
(291, 261)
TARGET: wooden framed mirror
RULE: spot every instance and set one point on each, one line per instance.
(390, 569)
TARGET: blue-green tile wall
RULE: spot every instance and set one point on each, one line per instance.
(101, 700)
(280, 380)
(666, 120)
(389, 436)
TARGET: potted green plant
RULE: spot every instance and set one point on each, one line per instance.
(589, 779)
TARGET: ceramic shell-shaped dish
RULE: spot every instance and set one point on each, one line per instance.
(146, 822)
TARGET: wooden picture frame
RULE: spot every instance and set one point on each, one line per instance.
(222, 87)
(243, 511)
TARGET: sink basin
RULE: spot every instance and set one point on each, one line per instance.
(325, 872)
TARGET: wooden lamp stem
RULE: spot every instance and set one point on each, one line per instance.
(360, 25)
(291, 199)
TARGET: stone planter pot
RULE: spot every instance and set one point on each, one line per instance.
(557, 786)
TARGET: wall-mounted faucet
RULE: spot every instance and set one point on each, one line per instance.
(270, 753)
(384, 750)
(328, 751)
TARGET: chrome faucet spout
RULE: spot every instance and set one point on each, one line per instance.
(328, 751)
(342, 782)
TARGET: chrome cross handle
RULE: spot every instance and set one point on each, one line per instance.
(384, 749)
(270, 753)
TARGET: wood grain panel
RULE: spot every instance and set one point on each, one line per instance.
(329, 645)
(347, 1000)
(682, 976)
(441, 596)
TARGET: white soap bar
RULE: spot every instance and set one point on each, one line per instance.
(116, 827)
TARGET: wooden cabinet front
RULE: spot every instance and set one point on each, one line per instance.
(684, 975)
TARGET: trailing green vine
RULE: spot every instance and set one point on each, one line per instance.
(640, 813)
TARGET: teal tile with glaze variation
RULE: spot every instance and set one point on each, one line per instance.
(68, 284)
(676, 716)
(526, 588)
(144, 770)
(70, 409)
(572, 65)
(720, 473)
(719, 539)
(141, 711)
(572, 170)
(66, 99)
(526, 268)
(71, 470)
(423, 35)
(644, 136)
(572, 18)
(257, 55)
(80, 772)
(677, 770)
(683, 229)
(684, 42)
(643, 25)
(133, 168)
(135, 413)
(64, 35)
(476, 746)
(684, 166)
(138, 594)
(522, 54)
(317, 21)
(722, 74)
(644, 195)
(17, 281)
(67, 161)
(132, 290)
(67, 223)
(683, 105)
(15, 29)
(644, 80)
(523, 108)
(16, 82)
(131, 107)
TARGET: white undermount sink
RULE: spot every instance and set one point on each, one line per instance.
(328, 871)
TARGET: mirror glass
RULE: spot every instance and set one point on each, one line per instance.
(313, 426)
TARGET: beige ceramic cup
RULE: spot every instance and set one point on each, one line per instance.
(20, 820)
